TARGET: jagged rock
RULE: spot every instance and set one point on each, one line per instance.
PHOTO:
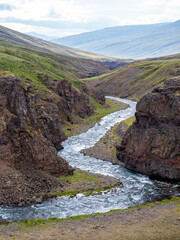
(97, 95)
(72, 101)
(152, 144)
(30, 133)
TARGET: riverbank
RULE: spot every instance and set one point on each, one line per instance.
(86, 183)
(105, 148)
(70, 185)
(82, 125)
(159, 220)
(54, 185)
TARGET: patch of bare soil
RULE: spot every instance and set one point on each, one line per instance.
(156, 222)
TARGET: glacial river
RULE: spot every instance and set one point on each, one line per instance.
(137, 188)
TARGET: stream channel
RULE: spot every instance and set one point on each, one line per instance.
(137, 188)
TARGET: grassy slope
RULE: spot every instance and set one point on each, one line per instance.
(137, 79)
(25, 40)
(36, 67)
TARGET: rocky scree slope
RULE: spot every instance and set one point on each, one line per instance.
(152, 144)
(30, 135)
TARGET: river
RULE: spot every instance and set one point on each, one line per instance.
(137, 188)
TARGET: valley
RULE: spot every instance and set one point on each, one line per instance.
(137, 79)
(130, 41)
(65, 148)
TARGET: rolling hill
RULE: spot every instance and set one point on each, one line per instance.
(25, 40)
(137, 79)
(136, 41)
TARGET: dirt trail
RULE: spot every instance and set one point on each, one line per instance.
(148, 222)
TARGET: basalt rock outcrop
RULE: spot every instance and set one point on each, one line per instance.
(30, 135)
(72, 101)
(152, 144)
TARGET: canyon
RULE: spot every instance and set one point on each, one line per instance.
(30, 136)
(152, 144)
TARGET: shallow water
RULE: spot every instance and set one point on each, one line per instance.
(137, 188)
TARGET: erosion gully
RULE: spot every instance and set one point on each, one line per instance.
(137, 188)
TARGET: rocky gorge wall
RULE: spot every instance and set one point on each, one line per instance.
(30, 135)
(152, 144)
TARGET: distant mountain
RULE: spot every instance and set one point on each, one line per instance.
(136, 41)
(44, 37)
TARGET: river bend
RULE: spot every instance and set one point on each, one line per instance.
(137, 188)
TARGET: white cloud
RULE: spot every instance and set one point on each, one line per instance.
(25, 28)
(64, 10)
(86, 15)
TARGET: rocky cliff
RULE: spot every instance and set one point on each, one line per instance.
(152, 144)
(71, 101)
(30, 135)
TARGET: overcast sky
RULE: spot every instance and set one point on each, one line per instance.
(66, 17)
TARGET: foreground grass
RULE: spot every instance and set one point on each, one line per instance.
(40, 222)
(153, 221)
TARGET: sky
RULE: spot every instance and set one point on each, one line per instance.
(61, 18)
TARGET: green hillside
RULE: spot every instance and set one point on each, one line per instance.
(137, 79)
(22, 39)
(35, 66)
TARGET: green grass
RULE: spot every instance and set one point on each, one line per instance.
(137, 79)
(82, 182)
(97, 77)
(34, 67)
(80, 176)
(40, 222)
(13, 37)
(129, 121)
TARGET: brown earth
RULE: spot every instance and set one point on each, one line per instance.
(152, 144)
(156, 222)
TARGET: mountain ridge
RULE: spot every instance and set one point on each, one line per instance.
(22, 39)
(132, 41)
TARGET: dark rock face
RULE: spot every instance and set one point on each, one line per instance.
(30, 135)
(72, 102)
(152, 144)
(97, 95)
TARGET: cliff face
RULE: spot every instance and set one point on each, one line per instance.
(152, 144)
(30, 135)
(73, 102)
